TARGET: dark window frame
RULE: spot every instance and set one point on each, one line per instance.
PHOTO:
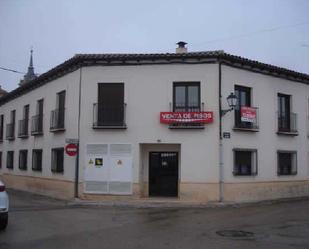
(186, 84)
(1, 127)
(253, 168)
(0, 159)
(54, 153)
(57, 118)
(284, 118)
(25, 165)
(37, 168)
(293, 169)
(237, 113)
(10, 159)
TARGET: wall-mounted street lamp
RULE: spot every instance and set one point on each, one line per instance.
(232, 102)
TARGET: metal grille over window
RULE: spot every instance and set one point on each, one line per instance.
(23, 158)
(10, 160)
(57, 160)
(37, 160)
(245, 162)
(287, 163)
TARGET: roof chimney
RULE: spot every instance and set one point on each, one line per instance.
(181, 47)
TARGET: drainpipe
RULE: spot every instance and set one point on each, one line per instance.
(221, 180)
(78, 136)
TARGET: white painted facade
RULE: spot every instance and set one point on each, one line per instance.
(148, 90)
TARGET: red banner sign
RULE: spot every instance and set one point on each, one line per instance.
(186, 117)
(248, 114)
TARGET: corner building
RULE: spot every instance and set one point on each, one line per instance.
(152, 125)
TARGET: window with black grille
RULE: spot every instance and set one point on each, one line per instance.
(23, 158)
(10, 159)
(245, 162)
(287, 163)
(37, 155)
(57, 160)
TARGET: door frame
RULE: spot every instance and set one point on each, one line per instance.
(178, 173)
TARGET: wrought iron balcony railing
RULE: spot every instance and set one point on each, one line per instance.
(243, 122)
(57, 119)
(287, 123)
(10, 128)
(23, 128)
(105, 116)
(37, 125)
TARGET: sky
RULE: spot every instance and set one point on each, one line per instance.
(270, 31)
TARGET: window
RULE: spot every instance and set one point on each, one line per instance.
(23, 124)
(37, 120)
(37, 160)
(187, 97)
(23, 158)
(10, 128)
(110, 109)
(10, 160)
(245, 162)
(57, 115)
(244, 99)
(287, 163)
(1, 127)
(57, 160)
(286, 119)
(0, 159)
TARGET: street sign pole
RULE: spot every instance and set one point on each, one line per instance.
(72, 149)
(76, 172)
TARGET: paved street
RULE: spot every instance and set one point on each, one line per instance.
(39, 222)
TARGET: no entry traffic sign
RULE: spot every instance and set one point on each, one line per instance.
(71, 149)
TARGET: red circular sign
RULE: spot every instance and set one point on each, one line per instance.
(71, 149)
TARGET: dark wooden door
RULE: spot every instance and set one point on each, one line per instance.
(163, 174)
(110, 104)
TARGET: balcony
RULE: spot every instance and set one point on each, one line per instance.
(37, 125)
(57, 120)
(247, 119)
(23, 128)
(287, 124)
(10, 128)
(109, 117)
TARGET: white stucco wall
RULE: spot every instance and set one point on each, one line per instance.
(266, 140)
(148, 91)
(48, 140)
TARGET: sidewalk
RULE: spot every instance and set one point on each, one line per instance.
(175, 203)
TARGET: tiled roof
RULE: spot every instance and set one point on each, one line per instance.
(80, 60)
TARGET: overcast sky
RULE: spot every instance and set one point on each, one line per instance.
(271, 31)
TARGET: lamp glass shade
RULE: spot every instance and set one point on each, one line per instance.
(232, 100)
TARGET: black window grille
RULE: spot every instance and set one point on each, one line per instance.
(57, 160)
(287, 163)
(23, 159)
(37, 156)
(10, 160)
(245, 162)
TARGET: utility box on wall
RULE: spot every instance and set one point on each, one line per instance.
(108, 169)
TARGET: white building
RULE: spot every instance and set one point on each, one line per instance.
(129, 148)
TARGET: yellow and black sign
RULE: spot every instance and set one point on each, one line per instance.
(98, 162)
